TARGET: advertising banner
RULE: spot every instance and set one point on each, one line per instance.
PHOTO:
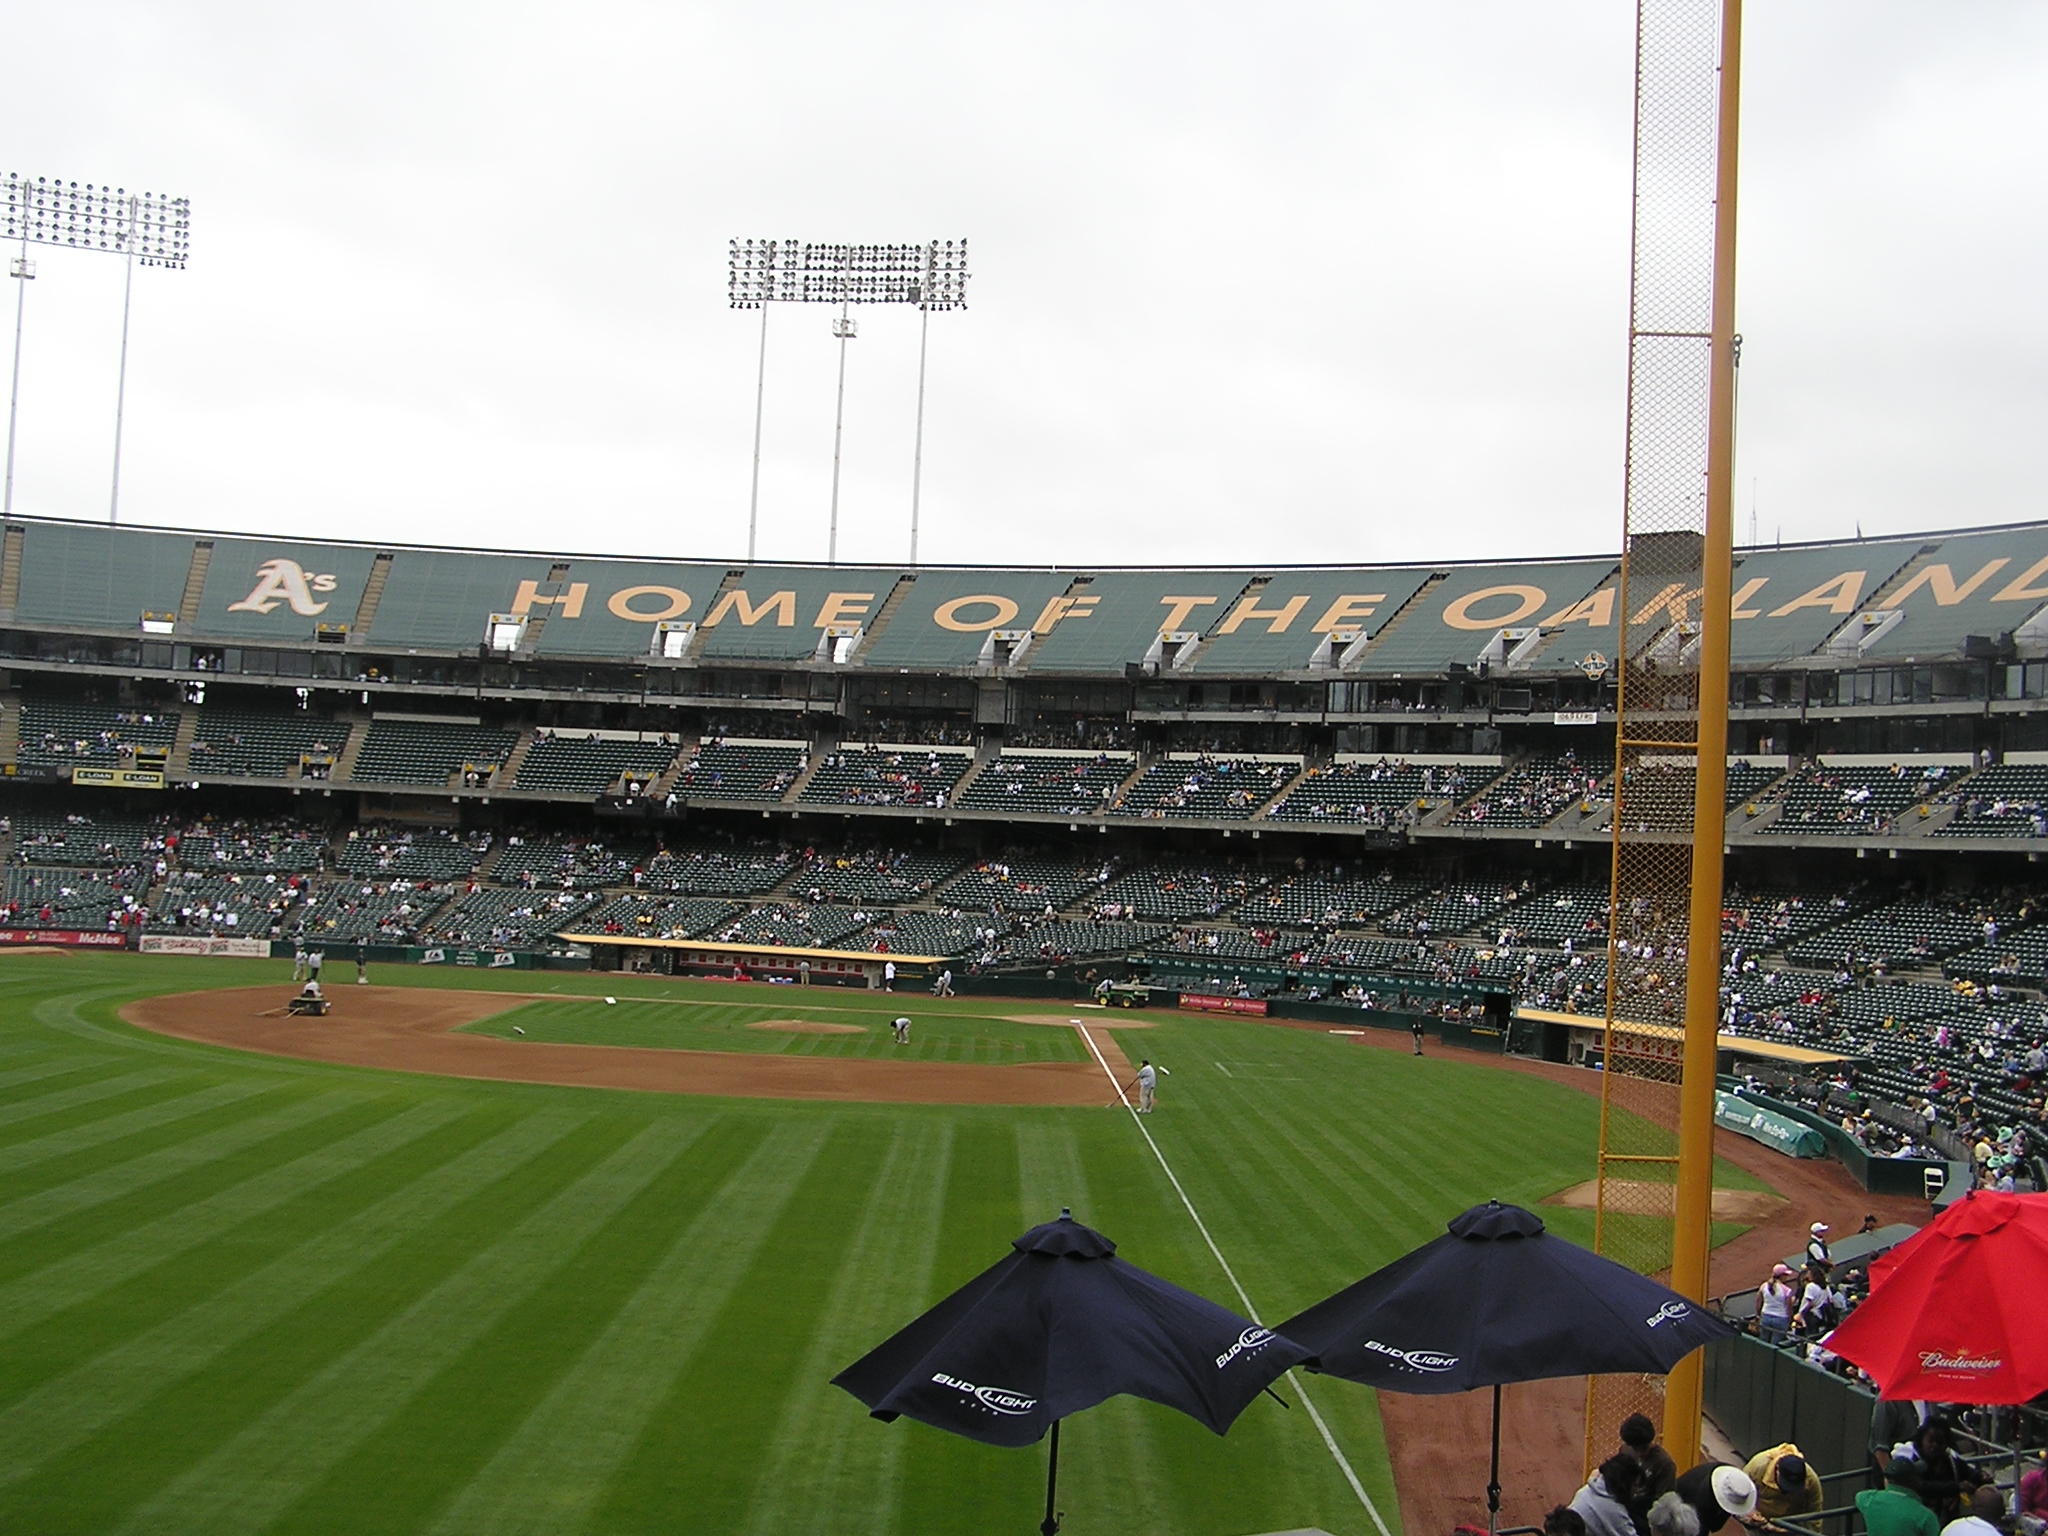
(1203, 1002)
(118, 778)
(203, 944)
(65, 936)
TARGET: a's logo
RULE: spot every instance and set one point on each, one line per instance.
(994, 1399)
(1935, 1360)
(1414, 1359)
(1665, 1313)
(1249, 1342)
(283, 581)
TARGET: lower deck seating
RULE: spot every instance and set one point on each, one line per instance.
(1047, 784)
(65, 733)
(1904, 933)
(565, 862)
(508, 919)
(793, 927)
(348, 910)
(741, 770)
(70, 898)
(78, 839)
(874, 876)
(223, 906)
(1021, 883)
(568, 764)
(1058, 941)
(1312, 902)
(1173, 891)
(908, 776)
(659, 917)
(257, 744)
(720, 869)
(411, 853)
(1205, 788)
(928, 933)
(240, 846)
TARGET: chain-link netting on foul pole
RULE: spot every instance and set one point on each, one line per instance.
(1657, 658)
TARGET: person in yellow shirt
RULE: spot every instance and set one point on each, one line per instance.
(1785, 1485)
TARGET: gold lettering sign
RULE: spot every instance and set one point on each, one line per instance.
(948, 615)
(675, 602)
(781, 604)
(1459, 614)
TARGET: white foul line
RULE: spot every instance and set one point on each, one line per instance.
(1329, 1440)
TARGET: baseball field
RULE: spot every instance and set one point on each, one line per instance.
(248, 1291)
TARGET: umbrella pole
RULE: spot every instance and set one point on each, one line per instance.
(1493, 1481)
(1050, 1525)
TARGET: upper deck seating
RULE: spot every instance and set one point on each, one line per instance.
(1022, 883)
(658, 916)
(908, 776)
(568, 764)
(61, 733)
(2005, 800)
(1537, 790)
(1903, 933)
(247, 743)
(720, 869)
(1851, 802)
(427, 752)
(1173, 891)
(741, 770)
(1040, 784)
(570, 862)
(411, 853)
(1375, 794)
(1658, 796)
(1205, 788)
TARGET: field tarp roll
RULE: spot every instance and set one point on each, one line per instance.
(1773, 1130)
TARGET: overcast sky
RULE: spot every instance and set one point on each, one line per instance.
(1298, 283)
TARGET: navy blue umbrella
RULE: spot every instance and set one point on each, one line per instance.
(1055, 1327)
(1497, 1299)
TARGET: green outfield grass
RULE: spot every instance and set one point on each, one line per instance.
(240, 1294)
(960, 1029)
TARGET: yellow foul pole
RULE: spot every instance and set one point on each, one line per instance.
(1691, 1234)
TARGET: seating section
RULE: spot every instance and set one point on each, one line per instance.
(254, 744)
(1773, 917)
(70, 898)
(570, 862)
(720, 869)
(572, 765)
(913, 776)
(508, 919)
(1205, 789)
(1457, 907)
(346, 911)
(2006, 800)
(1037, 784)
(1851, 802)
(1904, 933)
(874, 876)
(1221, 944)
(1658, 796)
(242, 846)
(1174, 892)
(1058, 941)
(927, 933)
(427, 752)
(76, 839)
(741, 770)
(2015, 957)
(1375, 794)
(1537, 790)
(223, 906)
(792, 927)
(1016, 883)
(60, 733)
(411, 853)
(1573, 914)
(1309, 902)
(659, 917)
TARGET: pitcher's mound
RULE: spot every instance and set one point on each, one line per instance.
(1094, 1019)
(808, 1027)
(1747, 1205)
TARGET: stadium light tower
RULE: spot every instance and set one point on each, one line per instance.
(933, 276)
(142, 226)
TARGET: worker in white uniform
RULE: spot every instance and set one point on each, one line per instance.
(1148, 1083)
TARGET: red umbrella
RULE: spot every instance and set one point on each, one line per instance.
(1954, 1314)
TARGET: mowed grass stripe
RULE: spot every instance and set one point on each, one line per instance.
(64, 1412)
(93, 1486)
(702, 1445)
(1049, 1171)
(93, 1178)
(85, 1272)
(93, 1127)
(246, 1484)
(553, 1467)
(54, 1065)
(33, 1106)
(428, 1452)
(820, 1455)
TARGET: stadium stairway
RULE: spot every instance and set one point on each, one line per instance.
(345, 765)
(508, 776)
(987, 752)
(10, 726)
(1308, 766)
(195, 584)
(666, 781)
(181, 744)
(1421, 598)
(819, 749)
(373, 594)
(872, 630)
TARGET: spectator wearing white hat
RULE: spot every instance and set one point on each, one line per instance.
(1717, 1494)
(1817, 1246)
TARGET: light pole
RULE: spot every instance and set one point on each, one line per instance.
(142, 226)
(763, 272)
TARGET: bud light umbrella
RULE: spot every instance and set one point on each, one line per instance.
(1497, 1299)
(1055, 1327)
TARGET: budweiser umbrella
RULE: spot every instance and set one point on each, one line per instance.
(1496, 1300)
(1057, 1326)
(1954, 1314)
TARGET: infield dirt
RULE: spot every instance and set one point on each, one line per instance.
(413, 1029)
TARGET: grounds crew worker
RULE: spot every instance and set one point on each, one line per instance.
(1415, 1029)
(314, 960)
(362, 962)
(1148, 1082)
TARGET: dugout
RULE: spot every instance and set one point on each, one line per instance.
(642, 955)
(1580, 1040)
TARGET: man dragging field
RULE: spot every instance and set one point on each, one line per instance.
(1148, 1083)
